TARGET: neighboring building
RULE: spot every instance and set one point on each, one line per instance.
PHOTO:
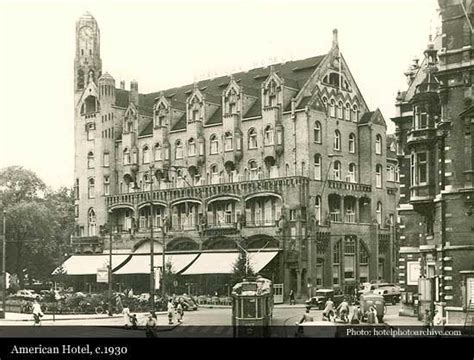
(435, 130)
(287, 157)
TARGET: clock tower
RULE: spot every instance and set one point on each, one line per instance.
(87, 63)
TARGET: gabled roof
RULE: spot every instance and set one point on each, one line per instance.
(295, 73)
(373, 117)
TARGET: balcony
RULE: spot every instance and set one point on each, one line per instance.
(349, 187)
(87, 244)
(278, 185)
(421, 136)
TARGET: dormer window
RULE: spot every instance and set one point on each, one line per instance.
(191, 147)
(421, 119)
(160, 121)
(271, 100)
(228, 146)
(269, 135)
(195, 115)
(271, 89)
(232, 108)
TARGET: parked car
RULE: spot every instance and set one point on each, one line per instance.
(26, 294)
(323, 295)
(189, 303)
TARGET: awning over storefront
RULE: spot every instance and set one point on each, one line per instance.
(140, 264)
(223, 262)
(88, 264)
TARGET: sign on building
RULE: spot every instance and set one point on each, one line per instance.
(103, 275)
(413, 272)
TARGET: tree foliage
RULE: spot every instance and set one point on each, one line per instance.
(39, 222)
(240, 268)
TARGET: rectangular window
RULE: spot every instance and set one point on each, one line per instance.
(349, 266)
(422, 168)
(195, 116)
(232, 108)
(90, 132)
(292, 215)
(106, 189)
(106, 159)
(272, 100)
(76, 210)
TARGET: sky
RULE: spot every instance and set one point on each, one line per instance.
(163, 44)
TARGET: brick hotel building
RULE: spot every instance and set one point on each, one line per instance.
(285, 160)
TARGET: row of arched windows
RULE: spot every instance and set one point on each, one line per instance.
(214, 145)
(337, 139)
(342, 111)
(336, 170)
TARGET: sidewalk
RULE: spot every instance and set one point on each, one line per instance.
(15, 317)
(395, 320)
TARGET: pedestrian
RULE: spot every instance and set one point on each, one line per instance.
(343, 310)
(170, 311)
(151, 325)
(372, 315)
(118, 303)
(126, 316)
(354, 314)
(37, 313)
(328, 312)
(180, 310)
(292, 297)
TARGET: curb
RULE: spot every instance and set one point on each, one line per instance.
(117, 316)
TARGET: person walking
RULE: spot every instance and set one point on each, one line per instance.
(328, 312)
(180, 310)
(292, 297)
(151, 325)
(37, 313)
(372, 315)
(343, 310)
(170, 311)
(126, 317)
(354, 314)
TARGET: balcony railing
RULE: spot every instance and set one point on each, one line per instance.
(349, 186)
(420, 135)
(260, 223)
(278, 185)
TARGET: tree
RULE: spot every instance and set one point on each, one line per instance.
(39, 223)
(241, 269)
(18, 184)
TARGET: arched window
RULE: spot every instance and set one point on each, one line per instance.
(268, 140)
(325, 101)
(351, 176)
(379, 213)
(337, 171)
(252, 139)
(378, 176)
(253, 170)
(317, 132)
(191, 147)
(287, 170)
(390, 173)
(317, 167)
(126, 156)
(337, 140)
(214, 142)
(347, 112)
(228, 144)
(146, 154)
(378, 145)
(317, 209)
(92, 224)
(214, 175)
(91, 188)
(352, 143)
(90, 160)
(355, 113)
(179, 149)
(157, 152)
(332, 108)
(339, 110)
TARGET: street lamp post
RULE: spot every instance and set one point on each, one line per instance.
(4, 272)
(109, 225)
(152, 246)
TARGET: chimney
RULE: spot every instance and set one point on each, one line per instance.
(335, 41)
(134, 92)
(122, 85)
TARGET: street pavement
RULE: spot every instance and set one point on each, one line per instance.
(205, 322)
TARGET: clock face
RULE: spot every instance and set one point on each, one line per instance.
(86, 33)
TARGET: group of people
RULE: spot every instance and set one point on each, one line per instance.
(348, 313)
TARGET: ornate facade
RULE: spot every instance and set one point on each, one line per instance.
(286, 158)
(436, 154)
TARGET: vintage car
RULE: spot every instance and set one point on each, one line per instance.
(389, 291)
(375, 300)
(323, 295)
